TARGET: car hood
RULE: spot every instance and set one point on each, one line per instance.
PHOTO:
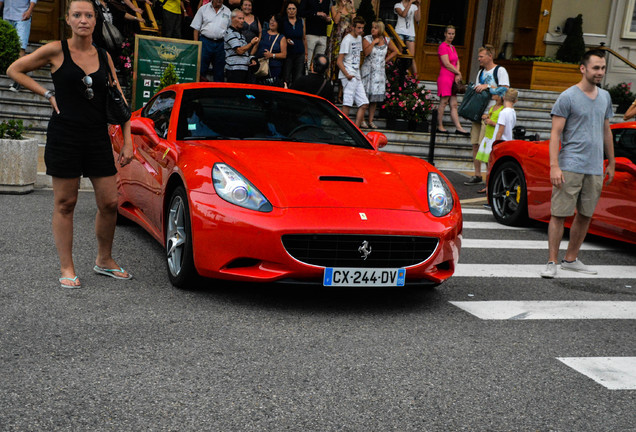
(319, 175)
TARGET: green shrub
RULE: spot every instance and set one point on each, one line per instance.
(9, 45)
(573, 46)
(168, 77)
(12, 129)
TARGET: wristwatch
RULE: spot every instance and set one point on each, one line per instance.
(49, 94)
(274, 55)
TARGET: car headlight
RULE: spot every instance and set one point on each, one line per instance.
(440, 199)
(236, 189)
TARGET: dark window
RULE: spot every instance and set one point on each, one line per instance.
(159, 110)
(625, 143)
(265, 115)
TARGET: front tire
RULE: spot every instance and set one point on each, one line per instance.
(179, 256)
(508, 194)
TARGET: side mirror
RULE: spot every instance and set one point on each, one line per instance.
(145, 127)
(377, 139)
(625, 165)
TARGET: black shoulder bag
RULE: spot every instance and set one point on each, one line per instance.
(117, 110)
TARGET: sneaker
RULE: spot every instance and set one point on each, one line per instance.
(364, 125)
(550, 270)
(473, 181)
(577, 266)
(15, 87)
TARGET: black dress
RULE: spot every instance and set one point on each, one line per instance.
(77, 141)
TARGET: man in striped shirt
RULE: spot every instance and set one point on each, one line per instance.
(238, 52)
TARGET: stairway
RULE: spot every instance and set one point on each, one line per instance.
(452, 152)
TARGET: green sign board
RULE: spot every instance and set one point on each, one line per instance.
(153, 55)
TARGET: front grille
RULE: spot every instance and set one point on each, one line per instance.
(341, 250)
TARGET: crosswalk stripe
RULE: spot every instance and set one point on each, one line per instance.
(521, 244)
(475, 211)
(492, 226)
(548, 310)
(533, 270)
(613, 373)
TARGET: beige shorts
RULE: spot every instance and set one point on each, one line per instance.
(477, 132)
(580, 191)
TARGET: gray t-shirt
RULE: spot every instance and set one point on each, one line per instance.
(582, 137)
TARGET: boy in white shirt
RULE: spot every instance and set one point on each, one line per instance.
(349, 65)
(507, 116)
(507, 119)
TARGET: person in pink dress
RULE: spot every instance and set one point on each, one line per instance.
(449, 73)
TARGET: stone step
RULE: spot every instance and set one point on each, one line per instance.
(35, 122)
(21, 108)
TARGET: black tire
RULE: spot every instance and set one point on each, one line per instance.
(179, 256)
(508, 195)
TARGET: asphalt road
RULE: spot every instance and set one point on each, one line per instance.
(141, 355)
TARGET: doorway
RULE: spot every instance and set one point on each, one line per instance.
(435, 16)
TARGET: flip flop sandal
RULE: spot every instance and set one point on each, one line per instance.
(111, 272)
(63, 285)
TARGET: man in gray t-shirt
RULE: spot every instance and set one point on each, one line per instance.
(580, 123)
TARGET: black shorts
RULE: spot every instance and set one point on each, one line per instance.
(90, 156)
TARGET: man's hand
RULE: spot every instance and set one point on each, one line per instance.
(609, 174)
(480, 88)
(556, 176)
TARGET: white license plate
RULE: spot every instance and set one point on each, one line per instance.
(363, 277)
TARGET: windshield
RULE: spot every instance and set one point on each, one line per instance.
(250, 114)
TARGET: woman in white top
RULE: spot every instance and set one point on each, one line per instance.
(408, 13)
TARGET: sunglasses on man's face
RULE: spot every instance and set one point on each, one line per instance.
(88, 82)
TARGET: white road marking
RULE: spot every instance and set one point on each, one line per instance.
(521, 244)
(476, 211)
(549, 310)
(613, 373)
(493, 226)
(533, 270)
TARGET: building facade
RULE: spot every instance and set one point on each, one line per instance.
(514, 27)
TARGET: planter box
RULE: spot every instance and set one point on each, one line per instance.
(18, 165)
(397, 124)
(536, 75)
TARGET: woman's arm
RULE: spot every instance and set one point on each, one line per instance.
(335, 15)
(367, 47)
(448, 65)
(305, 39)
(392, 52)
(50, 53)
(126, 152)
(404, 11)
(283, 49)
(631, 111)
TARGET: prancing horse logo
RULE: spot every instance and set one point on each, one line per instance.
(365, 250)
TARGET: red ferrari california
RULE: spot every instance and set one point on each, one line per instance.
(262, 184)
(519, 185)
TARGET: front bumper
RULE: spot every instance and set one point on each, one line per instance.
(233, 243)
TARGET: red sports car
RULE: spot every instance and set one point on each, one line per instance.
(256, 183)
(519, 185)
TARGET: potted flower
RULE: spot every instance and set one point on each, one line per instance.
(18, 159)
(407, 105)
(418, 106)
(621, 95)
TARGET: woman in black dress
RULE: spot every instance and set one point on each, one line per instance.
(78, 143)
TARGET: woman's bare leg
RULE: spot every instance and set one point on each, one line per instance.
(65, 198)
(105, 221)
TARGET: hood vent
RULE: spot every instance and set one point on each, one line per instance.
(341, 179)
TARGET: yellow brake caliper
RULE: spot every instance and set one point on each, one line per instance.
(518, 195)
